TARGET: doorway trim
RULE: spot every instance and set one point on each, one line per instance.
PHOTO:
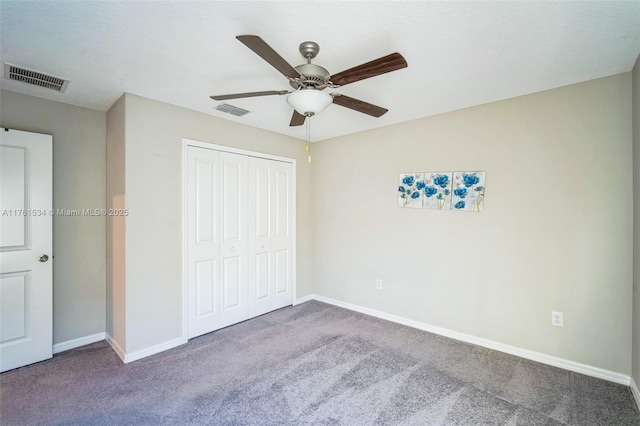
(186, 142)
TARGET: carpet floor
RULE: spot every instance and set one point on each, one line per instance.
(312, 364)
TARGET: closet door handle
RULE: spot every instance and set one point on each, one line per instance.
(233, 249)
(262, 245)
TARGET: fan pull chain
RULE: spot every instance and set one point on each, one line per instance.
(307, 147)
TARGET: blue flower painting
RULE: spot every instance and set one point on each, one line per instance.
(437, 191)
(470, 179)
(468, 191)
(442, 180)
(408, 180)
(429, 191)
(460, 192)
(410, 190)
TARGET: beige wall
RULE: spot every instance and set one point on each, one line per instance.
(78, 183)
(116, 249)
(636, 210)
(153, 134)
(555, 234)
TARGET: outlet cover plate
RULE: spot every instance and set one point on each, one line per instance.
(557, 319)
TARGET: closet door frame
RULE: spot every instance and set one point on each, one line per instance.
(223, 148)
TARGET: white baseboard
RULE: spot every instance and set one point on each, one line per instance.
(636, 392)
(76, 343)
(116, 347)
(304, 299)
(143, 353)
(479, 341)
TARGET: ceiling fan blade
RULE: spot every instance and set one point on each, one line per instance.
(248, 95)
(297, 119)
(358, 105)
(383, 65)
(262, 49)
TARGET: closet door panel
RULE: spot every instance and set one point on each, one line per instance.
(262, 189)
(282, 199)
(203, 242)
(232, 180)
(282, 271)
(206, 288)
(282, 241)
(269, 230)
(262, 276)
(233, 245)
(232, 279)
(260, 232)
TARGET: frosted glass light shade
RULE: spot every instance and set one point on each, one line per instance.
(309, 101)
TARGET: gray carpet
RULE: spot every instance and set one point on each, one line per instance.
(310, 364)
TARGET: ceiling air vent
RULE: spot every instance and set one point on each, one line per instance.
(230, 109)
(37, 78)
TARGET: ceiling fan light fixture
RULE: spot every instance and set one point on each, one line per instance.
(309, 102)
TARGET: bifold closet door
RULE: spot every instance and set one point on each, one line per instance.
(233, 238)
(216, 240)
(270, 235)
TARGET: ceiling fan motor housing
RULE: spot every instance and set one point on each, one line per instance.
(311, 75)
(309, 49)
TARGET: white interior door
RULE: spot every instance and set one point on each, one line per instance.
(233, 241)
(26, 308)
(203, 240)
(270, 235)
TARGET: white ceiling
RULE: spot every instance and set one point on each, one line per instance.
(460, 54)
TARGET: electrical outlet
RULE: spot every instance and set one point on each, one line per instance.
(379, 284)
(556, 319)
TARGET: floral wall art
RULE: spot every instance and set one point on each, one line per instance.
(437, 191)
(442, 190)
(468, 191)
(410, 190)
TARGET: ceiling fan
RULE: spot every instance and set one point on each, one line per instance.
(309, 80)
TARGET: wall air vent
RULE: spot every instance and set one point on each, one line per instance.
(37, 78)
(230, 109)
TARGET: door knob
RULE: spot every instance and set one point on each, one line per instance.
(262, 246)
(233, 249)
(44, 258)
